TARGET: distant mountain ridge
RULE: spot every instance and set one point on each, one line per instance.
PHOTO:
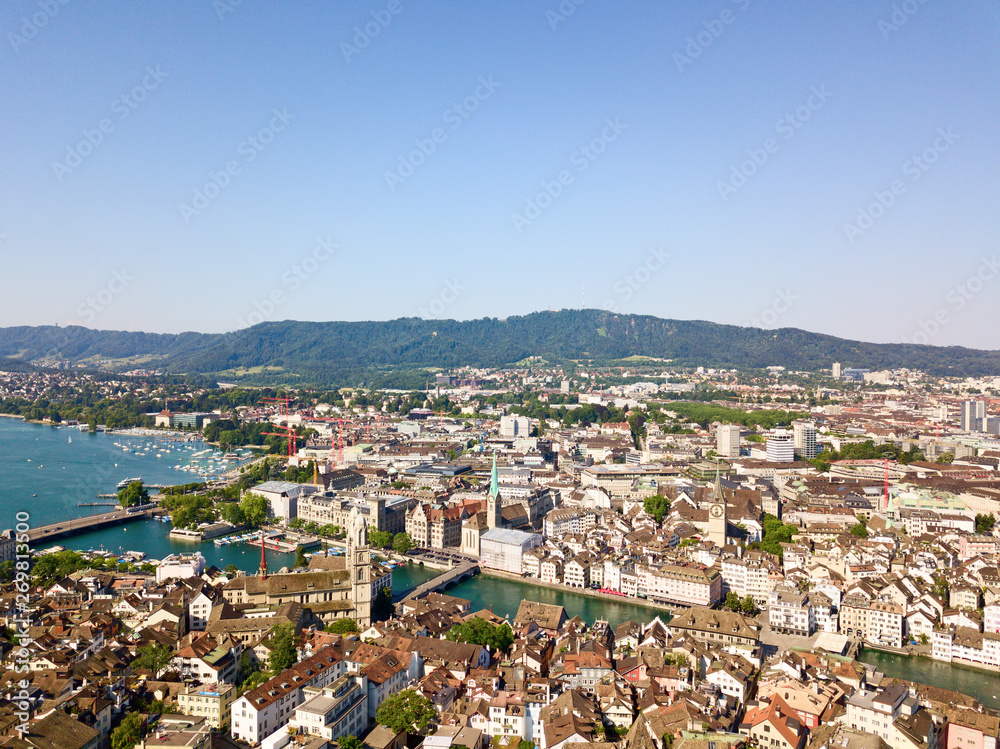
(328, 351)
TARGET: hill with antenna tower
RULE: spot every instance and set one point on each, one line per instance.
(331, 353)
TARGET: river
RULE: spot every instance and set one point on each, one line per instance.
(504, 597)
(982, 685)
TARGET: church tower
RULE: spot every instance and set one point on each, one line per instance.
(717, 522)
(493, 503)
(359, 559)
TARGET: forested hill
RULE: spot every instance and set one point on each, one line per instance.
(322, 351)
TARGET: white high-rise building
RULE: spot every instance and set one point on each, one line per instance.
(727, 440)
(805, 440)
(514, 426)
(835, 370)
(780, 448)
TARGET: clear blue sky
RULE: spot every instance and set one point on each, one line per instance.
(693, 90)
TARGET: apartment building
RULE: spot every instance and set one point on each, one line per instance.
(576, 573)
(339, 709)
(213, 702)
(753, 576)
(886, 624)
(689, 586)
(262, 711)
(877, 711)
(790, 612)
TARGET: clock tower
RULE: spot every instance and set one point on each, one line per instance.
(359, 560)
(717, 522)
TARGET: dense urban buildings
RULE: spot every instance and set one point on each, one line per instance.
(768, 553)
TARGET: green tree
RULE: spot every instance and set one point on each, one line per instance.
(402, 543)
(283, 648)
(350, 742)
(380, 539)
(128, 733)
(153, 657)
(231, 570)
(53, 567)
(133, 494)
(775, 534)
(732, 601)
(254, 680)
(231, 512)
(748, 605)
(406, 711)
(945, 458)
(985, 523)
(7, 570)
(343, 626)
(859, 530)
(657, 506)
(382, 605)
(478, 631)
(255, 509)
(300, 557)
(941, 586)
(161, 707)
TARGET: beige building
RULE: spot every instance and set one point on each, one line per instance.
(212, 702)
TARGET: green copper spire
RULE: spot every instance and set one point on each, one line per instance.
(494, 482)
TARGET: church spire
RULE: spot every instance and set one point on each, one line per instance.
(263, 559)
(494, 518)
(717, 490)
(494, 482)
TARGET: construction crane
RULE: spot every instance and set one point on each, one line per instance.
(284, 399)
(290, 433)
(339, 452)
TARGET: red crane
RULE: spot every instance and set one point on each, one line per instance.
(340, 439)
(284, 399)
(290, 433)
(378, 418)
